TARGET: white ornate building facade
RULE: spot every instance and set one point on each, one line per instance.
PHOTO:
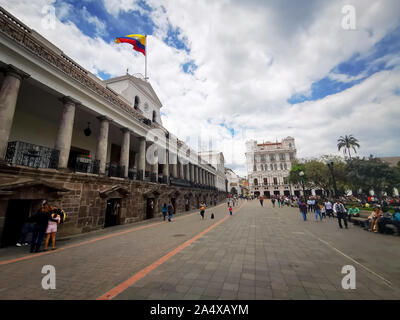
(236, 185)
(268, 167)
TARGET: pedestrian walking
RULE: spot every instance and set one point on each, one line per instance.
(215, 202)
(261, 201)
(341, 213)
(51, 230)
(164, 210)
(273, 202)
(303, 209)
(318, 213)
(202, 210)
(329, 210)
(230, 210)
(322, 209)
(278, 200)
(170, 210)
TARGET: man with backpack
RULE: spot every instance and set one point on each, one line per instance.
(202, 210)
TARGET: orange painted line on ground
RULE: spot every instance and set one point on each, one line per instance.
(126, 284)
(36, 255)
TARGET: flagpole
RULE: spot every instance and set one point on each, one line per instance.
(145, 59)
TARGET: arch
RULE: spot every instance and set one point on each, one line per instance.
(233, 190)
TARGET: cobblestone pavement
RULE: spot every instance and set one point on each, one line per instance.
(258, 253)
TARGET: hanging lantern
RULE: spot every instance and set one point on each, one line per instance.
(87, 131)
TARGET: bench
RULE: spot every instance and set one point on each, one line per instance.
(362, 222)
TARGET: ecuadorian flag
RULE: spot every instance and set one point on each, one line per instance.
(137, 40)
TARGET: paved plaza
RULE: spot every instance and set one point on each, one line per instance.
(257, 253)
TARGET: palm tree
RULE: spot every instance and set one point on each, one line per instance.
(348, 142)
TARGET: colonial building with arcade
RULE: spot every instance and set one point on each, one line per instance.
(95, 148)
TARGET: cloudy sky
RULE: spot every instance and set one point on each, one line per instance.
(233, 70)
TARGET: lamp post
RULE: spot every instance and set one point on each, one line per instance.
(301, 174)
(330, 166)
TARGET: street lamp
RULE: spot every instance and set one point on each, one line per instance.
(301, 174)
(330, 166)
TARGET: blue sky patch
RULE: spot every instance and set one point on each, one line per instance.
(189, 67)
(230, 129)
(174, 41)
(359, 66)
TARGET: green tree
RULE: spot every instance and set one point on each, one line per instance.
(371, 174)
(347, 143)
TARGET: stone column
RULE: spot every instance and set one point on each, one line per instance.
(102, 143)
(142, 157)
(191, 172)
(198, 175)
(154, 167)
(181, 171)
(187, 176)
(8, 101)
(126, 143)
(175, 170)
(65, 129)
(166, 167)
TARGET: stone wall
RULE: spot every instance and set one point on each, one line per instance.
(84, 197)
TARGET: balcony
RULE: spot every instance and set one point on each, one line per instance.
(87, 165)
(115, 170)
(31, 155)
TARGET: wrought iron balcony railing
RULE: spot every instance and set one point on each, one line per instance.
(115, 170)
(31, 155)
(86, 165)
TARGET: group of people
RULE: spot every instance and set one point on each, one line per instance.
(324, 208)
(380, 218)
(43, 222)
(280, 201)
(167, 210)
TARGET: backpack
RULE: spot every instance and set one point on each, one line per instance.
(202, 208)
(62, 214)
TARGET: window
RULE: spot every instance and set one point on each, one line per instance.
(285, 166)
(255, 182)
(262, 167)
(266, 167)
(285, 180)
(154, 116)
(291, 155)
(265, 181)
(290, 145)
(275, 166)
(282, 156)
(275, 180)
(272, 166)
(254, 168)
(137, 102)
(281, 165)
(272, 157)
(262, 158)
